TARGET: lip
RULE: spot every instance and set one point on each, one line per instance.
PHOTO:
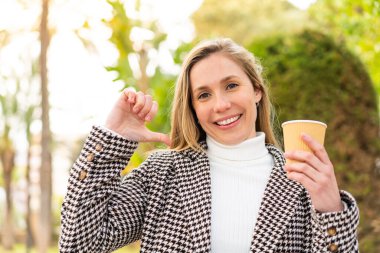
(228, 125)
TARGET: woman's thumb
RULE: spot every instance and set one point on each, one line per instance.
(160, 137)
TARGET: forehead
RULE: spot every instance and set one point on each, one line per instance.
(215, 68)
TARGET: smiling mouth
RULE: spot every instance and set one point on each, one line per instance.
(228, 121)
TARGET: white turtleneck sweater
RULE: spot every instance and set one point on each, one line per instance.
(239, 175)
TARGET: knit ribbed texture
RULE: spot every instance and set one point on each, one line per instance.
(239, 175)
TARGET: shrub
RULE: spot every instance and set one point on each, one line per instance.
(312, 77)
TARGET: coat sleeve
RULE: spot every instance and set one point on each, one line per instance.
(99, 212)
(336, 231)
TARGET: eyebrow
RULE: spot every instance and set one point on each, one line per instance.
(224, 79)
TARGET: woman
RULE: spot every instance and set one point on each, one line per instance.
(223, 185)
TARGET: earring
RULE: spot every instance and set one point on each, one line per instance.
(257, 105)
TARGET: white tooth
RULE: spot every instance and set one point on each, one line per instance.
(227, 121)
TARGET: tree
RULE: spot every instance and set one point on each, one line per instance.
(122, 26)
(18, 95)
(17, 112)
(8, 101)
(243, 20)
(356, 24)
(46, 164)
(28, 118)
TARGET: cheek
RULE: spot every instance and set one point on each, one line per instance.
(247, 101)
(251, 107)
(201, 113)
(196, 110)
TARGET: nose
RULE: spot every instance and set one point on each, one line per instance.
(222, 103)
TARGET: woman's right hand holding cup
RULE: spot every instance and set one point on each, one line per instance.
(129, 115)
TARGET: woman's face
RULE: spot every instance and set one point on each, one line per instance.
(224, 99)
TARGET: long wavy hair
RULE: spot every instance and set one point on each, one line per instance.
(185, 129)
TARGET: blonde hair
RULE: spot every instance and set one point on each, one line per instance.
(185, 129)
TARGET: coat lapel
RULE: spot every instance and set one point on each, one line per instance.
(196, 199)
(280, 200)
(281, 197)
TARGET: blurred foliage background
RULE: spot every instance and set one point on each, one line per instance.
(330, 84)
(320, 63)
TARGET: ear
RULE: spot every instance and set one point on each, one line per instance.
(258, 95)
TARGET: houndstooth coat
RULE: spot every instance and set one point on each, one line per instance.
(166, 203)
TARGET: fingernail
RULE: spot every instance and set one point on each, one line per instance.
(305, 136)
(147, 118)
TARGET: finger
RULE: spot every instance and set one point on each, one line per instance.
(129, 94)
(301, 178)
(305, 157)
(152, 112)
(132, 97)
(317, 148)
(305, 169)
(146, 108)
(123, 102)
(130, 88)
(140, 102)
(160, 137)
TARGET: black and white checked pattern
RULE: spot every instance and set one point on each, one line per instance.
(166, 203)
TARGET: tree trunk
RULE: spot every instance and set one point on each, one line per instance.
(46, 167)
(8, 161)
(28, 216)
(143, 82)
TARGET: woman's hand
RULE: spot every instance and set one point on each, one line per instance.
(316, 173)
(129, 114)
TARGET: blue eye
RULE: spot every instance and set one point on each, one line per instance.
(231, 86)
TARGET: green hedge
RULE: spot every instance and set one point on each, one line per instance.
(312, 77)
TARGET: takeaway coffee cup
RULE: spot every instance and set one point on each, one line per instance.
(293, 129)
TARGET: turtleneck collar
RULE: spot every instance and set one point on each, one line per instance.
(251, 149)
